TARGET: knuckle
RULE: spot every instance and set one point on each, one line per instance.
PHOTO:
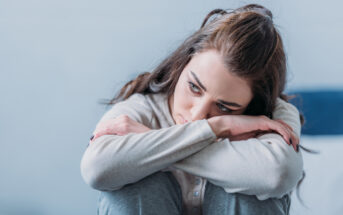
(280, 120)
(122, 118)
(125, 127)
(107, 130)
(125, 118)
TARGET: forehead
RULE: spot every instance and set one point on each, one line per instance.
(220, 83)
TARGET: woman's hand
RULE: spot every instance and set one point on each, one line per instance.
(121, 125)
(240, 127)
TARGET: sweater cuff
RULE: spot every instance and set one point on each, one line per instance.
(206, 130)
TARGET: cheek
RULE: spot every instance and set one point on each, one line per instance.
(183, 99)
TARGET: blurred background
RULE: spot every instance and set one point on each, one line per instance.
(59, 58)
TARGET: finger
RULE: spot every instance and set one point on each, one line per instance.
(283, 131)
(289, 132)
(295, 142)
(281, 128)
(285, 124)
(98, 134)
(103, 130)
(95, 136)
(295, 147)
(91, 139)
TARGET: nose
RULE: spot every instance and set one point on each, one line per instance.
(201, 109)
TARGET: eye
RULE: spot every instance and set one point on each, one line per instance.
(194, 88)
(223, 108)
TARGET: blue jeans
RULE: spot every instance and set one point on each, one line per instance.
(160, 194)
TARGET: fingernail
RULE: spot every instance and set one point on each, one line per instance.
(297, 147)
(92, 137)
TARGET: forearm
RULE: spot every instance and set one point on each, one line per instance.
(112, 161)
(266, 167)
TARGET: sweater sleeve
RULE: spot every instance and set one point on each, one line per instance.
(265, 166)
(112, 161)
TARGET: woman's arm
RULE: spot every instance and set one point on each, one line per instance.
(112, 161)
(265, 166)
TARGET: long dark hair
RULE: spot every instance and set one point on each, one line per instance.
(251, 47)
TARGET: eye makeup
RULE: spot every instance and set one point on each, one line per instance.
(233, 104)
(196, 90)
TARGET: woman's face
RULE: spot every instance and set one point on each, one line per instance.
(206, 89)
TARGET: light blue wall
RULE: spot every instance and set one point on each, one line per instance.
(58, 58)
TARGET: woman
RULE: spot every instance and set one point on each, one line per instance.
(206, 132)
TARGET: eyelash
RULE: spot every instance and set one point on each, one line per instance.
(197, 91)
(227, 110)
(192, 86)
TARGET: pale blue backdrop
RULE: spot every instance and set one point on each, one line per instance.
(58, 58)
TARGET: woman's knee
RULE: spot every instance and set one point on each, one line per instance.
(143, 197)
(217, 201)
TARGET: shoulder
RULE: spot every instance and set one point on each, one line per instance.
(138, 107)
(282, 105)
(288, 113)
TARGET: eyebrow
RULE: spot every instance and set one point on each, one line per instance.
(204, 88)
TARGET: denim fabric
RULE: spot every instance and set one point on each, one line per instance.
(219, 202)
(160, 194)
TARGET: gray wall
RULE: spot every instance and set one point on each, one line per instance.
(58, 58)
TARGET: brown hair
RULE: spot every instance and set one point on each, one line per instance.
(251, 48)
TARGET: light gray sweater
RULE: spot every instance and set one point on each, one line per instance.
(265, 166)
